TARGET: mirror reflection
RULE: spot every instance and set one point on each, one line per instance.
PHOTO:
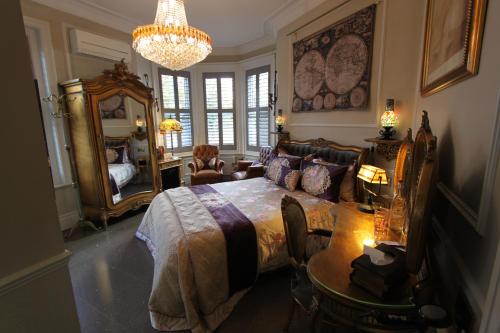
(127, 148)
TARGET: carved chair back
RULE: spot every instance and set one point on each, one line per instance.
(421, 186)
(295, 223)
(403, 165)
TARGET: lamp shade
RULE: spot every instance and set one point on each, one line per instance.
(170, 125)
(280, 120)
(372, 174)
(388, 119)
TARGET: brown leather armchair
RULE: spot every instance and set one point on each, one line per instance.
(245, 170)
(206, 167)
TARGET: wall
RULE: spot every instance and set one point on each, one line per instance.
(463, 119)
(393, 70)
(69, 65)
(35, 288)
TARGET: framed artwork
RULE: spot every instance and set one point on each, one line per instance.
(452, 44)
(332, 67)
(113, 108)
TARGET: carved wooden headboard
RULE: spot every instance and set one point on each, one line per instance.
(118, 141)
(331, 152)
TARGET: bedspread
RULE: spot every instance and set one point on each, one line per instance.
(190, 284)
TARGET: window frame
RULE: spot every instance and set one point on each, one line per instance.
(177, 111)
(257, 71)
(220, 110)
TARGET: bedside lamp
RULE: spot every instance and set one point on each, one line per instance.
(388, 120)
(280, 121)
(170, 126)
(372, 175)
(139, 123)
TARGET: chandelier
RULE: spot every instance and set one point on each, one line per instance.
(170, 41)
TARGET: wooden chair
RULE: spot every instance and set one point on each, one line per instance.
(297, 234)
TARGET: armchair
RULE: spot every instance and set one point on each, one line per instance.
(206, 167)
(245, 169)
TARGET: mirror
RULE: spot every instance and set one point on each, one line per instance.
(126, 145)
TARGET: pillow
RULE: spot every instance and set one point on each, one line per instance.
(323, 181)
(116, 155)
(199, 163)
(347, 185)
(294, 161)
(288, 178)
(348, 182)
(290, 161)
(257, 163)
(212, 163)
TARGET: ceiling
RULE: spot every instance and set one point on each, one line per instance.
(229, 22)
(234, 25)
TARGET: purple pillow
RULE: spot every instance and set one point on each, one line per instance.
(322, 180)
(116, 155)
(275, 163)
(288, 178)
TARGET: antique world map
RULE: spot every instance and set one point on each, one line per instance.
(332, 68)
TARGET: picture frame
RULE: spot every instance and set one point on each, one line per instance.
(452, 43)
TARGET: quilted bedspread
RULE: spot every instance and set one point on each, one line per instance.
(190, 285)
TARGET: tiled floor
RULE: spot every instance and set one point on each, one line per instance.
(112, 271)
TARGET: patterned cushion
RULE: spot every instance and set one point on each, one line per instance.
(212, 163)
(322, 180)
(288, 178)
(200, 165)
(275, 162)
(116, 155)
(348, 182)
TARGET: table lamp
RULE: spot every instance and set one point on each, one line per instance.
(139, 123)
(170, 126)
(388, 120)
(372, 175)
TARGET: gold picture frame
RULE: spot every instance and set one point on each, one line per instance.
(452, 44)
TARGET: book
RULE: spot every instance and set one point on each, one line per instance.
(390, 274)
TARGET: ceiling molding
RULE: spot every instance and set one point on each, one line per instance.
(281, 17)
(93, 12)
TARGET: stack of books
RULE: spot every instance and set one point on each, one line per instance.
(382, 281)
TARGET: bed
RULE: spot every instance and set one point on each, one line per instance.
(210, 242)
(122, 171)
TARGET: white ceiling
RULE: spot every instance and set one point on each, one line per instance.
(236, 26)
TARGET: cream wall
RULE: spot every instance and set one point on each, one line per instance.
(69, 65)
(35, 288)
(463, 118)
(393, 71)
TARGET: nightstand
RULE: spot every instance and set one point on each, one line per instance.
(170, 173)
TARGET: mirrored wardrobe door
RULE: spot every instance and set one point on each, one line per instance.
(125, 140)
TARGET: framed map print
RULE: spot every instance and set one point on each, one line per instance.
(452, 45)
(332, 68)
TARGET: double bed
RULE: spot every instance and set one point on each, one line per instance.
(210, 242)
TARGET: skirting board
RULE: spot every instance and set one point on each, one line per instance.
(68, 220)
(33, 272)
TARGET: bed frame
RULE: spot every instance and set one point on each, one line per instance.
(331, 152)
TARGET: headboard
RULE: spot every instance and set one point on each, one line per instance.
(118, 141)
(331, 152)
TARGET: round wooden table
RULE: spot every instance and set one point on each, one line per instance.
(340, 302)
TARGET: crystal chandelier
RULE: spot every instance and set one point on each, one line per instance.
(170, 41)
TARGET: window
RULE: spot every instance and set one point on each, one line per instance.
(175, 90)
(258, 86)
(219, 107)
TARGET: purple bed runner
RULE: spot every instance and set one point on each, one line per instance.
(240, 235)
